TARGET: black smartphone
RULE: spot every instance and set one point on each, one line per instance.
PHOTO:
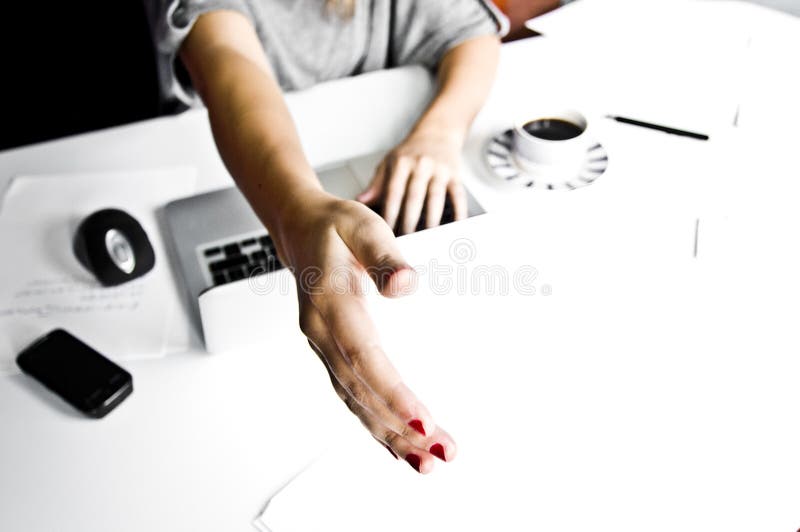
(77, 373)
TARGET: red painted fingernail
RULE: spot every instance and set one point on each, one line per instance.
(390, 450)
(416, 424)
(413, 461)
(437, 450)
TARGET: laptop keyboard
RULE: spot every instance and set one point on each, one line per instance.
(239, 259)
(242, 257)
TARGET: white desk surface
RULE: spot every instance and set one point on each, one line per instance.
(204, 441)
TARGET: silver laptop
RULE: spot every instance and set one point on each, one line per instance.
(217, 238)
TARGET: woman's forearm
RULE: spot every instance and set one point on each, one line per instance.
(465, 77)
(252, 127)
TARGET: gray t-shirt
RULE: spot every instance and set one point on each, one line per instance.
(307, 43)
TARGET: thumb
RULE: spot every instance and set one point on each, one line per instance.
(375, 247)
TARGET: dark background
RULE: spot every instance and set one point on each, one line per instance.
(73, 66)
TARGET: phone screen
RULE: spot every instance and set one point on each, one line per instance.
(80, 375)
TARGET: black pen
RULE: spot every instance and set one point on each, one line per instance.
(665, 129)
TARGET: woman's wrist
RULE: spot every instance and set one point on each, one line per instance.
(295, 211)
(293, 207)
(450, 131)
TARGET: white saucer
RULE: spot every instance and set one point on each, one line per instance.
(505, 166)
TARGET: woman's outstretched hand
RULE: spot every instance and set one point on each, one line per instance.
(332, 244)
(414, 179)
(332, 248)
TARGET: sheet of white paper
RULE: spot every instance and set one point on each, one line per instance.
(638, 18)
(668, 62)
(702, 62)
(769, 80)
(749, 215)
(44, 286)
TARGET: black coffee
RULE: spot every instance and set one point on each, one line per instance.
(552, 129)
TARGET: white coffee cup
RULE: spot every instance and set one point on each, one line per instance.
(557, 138)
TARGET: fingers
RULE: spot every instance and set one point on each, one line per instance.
(421, 460)
(356, 338)
(437, 192)
(408, 184)
(415, 194)
(373, 191)
(392, 428)
(398, 172)
(459, 198)
(420, 457)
